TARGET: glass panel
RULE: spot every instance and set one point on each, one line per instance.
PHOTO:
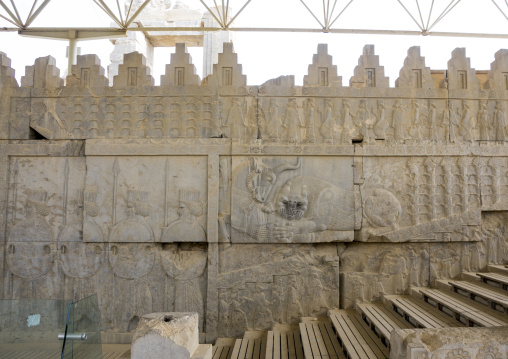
(84, 320)
(30, 328)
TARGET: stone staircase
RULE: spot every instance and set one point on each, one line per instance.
(474, 300)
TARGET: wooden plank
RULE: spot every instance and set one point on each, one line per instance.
(316, 354)
(250, 348)
(496, 277)
(370, 348)
(226, 352)
(283, 345)
(345, 333)
(490, 294)
(276, 344)
(424, 314)
(305, 341)
(373, 341)
(217, 351)
(401, 323)
(236, 349)
(263, 347)
(473, 311)
(257, 349)
(409, 309)
(377, 320)
(320, 341)
(333, 340)
(326, 341)
(477, 309)
(269, 345)
(291, 344)
(298, 343)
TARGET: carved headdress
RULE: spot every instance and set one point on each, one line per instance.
(191, 200)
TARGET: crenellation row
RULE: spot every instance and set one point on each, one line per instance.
(228, 72)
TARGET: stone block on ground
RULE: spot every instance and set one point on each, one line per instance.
(449, 343)
(167, 335)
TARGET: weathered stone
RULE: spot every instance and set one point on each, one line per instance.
(87, 72)
(369, 73)
(461, 76)
(133, 72)
(181, 71)
(322, 72)
(43, 74)
(449, 343)
(227, 71)
(161, 335)
(414, 74)
(498, 74)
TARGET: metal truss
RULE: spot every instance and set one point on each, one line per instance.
(424, 19)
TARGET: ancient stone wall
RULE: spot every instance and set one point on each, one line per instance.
(247, 204)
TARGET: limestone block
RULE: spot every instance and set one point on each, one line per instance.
(227, 72)
(162, 335)
(133, 72)
(43, 74)
(181, 71)
(414, 74)
(283, 81)
(322, 72)
(87, 72)
(7, 84)
(461, 76)
(449, 343)
(135, 42)
(7, 78)
(369, 73)
(498, 74)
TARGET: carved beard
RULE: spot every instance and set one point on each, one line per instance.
(292, 211)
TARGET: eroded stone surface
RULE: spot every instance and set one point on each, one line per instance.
(449, 343)
(160, 335)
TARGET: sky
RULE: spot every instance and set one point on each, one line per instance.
(266, 55)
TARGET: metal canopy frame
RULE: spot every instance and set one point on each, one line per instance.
(331, 12)
(220, 11)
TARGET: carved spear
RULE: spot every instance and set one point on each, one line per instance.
(116, 170)
(15, 181)
(65, 191)
(166, 192)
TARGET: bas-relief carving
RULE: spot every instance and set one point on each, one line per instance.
(274, 283)
(302, 120)
(273, 200)
(141, 198)
(41, 192)
(369, 271)
(449, 343)
(185, 265)
(437, 198)
(120, 117)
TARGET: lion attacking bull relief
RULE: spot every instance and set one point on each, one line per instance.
(273, 202)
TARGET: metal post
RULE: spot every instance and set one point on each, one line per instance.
(73, 49)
